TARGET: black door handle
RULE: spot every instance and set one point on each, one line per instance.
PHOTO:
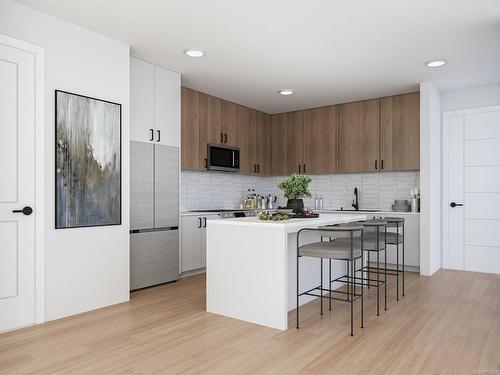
(199, 222)
(304, 168)
(152, 134)
(204, 222)
(221, 138)
(258, 168)
(376, 162)
(382, 164)
(158, 139)
(25, 211)
(225, 137)
(453, 204)
(300, 168)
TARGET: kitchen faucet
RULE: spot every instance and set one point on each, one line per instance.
(355, 204)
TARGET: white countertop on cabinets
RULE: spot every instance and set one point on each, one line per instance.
(367, 212)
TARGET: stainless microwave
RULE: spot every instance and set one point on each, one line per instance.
(223, 158)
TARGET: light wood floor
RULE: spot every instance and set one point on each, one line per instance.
(447, 324)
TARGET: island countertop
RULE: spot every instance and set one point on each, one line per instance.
(292, 225)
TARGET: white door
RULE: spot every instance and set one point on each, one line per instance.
(142, 104)
(167, 106)
(17, 187)
(471, 157)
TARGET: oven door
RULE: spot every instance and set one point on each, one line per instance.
(223, 158)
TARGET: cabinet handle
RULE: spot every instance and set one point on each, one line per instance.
(204, 222)
(300, 168)
(376, 161)
(382, 164)
(206, 163)
(304, 168)
(199, 222)
(255, 168)
(258, 168)
(158, 138)
(225, 137)
(221, 138)
(152, 135)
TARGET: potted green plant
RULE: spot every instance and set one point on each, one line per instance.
(295, 188)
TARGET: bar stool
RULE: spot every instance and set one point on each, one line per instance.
(347, 249)
(375, 234)
(397, 238)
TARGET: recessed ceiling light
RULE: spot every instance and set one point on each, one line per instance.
(191, 52)
(435, 63)
(286, 92)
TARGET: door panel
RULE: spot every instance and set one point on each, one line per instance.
(482, 259)
(359, 136)
(230, 123)
(482, 152)
(400, 132)
(167, 105)
(8, 259)
(141, 185)
(192, 135)
(294, 136)
(278, 153)
(482, 125)
(191, 243)
(142, 91)
(154, 258)
(263, 143)
(482, 179)
(17, 187)
(246, 123)
(166, 186)
(320, 140)
(483, 206)
(482, 232)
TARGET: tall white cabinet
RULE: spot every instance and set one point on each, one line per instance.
(155, 104)
(155, 128)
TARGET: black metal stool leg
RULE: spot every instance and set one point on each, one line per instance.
(368, 273)
(321, 289)
(330, 285)
(403, 260)
(297, 289)
(397, 262)
(353, 291)
(378, 275)
(362, 288)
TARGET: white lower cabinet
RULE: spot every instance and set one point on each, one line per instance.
(193, 241)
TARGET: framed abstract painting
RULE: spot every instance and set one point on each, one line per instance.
(88, 161)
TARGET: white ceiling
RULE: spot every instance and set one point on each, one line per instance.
(328, 51)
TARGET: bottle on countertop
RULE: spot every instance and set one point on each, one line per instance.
(320, 202)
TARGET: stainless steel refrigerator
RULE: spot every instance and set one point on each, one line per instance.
(154, 214)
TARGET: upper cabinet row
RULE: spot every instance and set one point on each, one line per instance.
(155, 107)
(371, 135)
(206, 119)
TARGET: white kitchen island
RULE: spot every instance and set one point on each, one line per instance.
(251, 266)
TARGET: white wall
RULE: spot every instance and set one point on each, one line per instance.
(86, 268)
(430, 179)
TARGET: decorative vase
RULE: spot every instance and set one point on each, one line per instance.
(296, 204)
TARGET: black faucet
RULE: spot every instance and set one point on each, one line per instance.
(355, 204)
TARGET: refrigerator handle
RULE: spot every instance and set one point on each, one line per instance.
(199, 222)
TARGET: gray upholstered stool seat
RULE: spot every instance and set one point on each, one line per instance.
(339, 249)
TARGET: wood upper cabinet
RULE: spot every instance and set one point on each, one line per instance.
(245, 121)
(320, 146)
(359, 136)
(400, 132)
(263, 142)
(231, 114)
(278, 154)
(213, 119)
(294, 143)
(192, 137)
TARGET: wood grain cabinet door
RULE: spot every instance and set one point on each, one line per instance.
(212, 121)
(245, 124)
(192, 157)
(229, 127)
(320, 140)
(263, 143)
(294, 135)
(278, 152)
(359, 136)
(400, 132)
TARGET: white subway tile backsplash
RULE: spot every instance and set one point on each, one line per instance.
(208, 190)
